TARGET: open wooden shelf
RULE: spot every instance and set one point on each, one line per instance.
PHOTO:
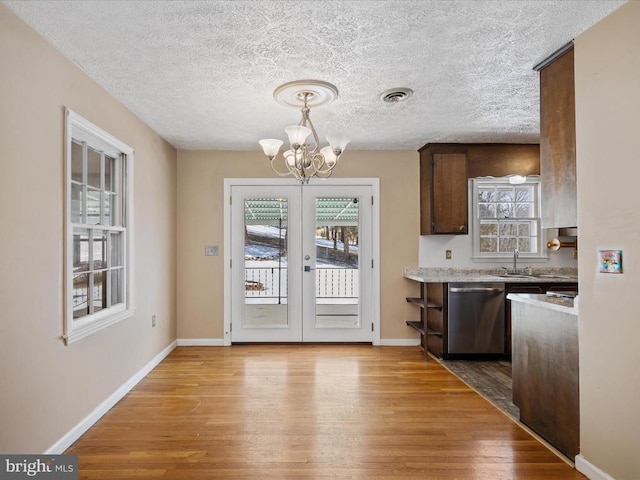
(416, 325)
(417, 301)
(423, 304)
(432, 323)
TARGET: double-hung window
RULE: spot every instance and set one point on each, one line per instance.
(98, 260)
(506, 218)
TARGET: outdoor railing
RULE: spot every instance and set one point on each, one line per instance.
(271, 282)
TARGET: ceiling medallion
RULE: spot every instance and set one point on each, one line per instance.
(305, 159)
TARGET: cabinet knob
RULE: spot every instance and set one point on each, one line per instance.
(461, 228)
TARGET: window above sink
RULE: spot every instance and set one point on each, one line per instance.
(506, 217)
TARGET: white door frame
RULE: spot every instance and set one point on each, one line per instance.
(374, 183)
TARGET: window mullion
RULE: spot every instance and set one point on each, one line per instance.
(102, 193)
(107, 285)
(121, 191)
(123, 260)
(85, 181)
(90, 272)
(90, 293)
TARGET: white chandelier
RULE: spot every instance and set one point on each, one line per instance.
(305, 158)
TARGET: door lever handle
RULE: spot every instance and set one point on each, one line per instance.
(307, 268)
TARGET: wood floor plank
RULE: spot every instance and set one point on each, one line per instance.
(309, 412)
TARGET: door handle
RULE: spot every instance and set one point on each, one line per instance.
(307, 268)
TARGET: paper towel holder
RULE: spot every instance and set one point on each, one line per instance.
(556, 244)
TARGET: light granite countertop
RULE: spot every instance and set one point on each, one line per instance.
(451, 275)
(559, 304)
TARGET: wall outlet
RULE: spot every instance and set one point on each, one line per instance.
(447, 254)
(153, 321)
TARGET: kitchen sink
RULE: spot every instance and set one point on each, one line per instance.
(534, 275)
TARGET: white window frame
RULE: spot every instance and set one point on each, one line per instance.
(80, 129)
(539, 255)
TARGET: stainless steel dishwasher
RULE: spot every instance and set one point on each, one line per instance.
(476, 318)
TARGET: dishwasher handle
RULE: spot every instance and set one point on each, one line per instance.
(476, 289)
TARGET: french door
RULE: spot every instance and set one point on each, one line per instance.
(301, 263)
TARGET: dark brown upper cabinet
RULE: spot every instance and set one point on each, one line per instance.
(444, 172)
(443, 190)
(558, 142)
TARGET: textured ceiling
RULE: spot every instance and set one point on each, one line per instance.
(202, 73)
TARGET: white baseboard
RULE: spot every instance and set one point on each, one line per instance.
(76, 432)
(399, 342)
(201, 342)
(590, 470)
(219, 342)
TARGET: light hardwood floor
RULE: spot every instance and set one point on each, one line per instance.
(309, 412)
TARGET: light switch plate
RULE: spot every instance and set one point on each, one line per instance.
(211, 250)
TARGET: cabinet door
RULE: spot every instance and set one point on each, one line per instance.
(449, 194)
(558, 144)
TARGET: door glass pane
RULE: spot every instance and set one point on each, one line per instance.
(265, 262)
(337, 275)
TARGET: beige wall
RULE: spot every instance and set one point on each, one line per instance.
(200, 222)
(47, 387)
(607, 65)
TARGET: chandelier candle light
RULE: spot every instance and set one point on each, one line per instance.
(305, 159)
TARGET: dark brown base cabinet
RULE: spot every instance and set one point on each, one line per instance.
(433, 309)
(545, 375)
(433, 324)
(529, 288)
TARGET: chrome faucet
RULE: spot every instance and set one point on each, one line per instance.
(515, 260)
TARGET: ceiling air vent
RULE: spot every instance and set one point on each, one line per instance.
(396, 95)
